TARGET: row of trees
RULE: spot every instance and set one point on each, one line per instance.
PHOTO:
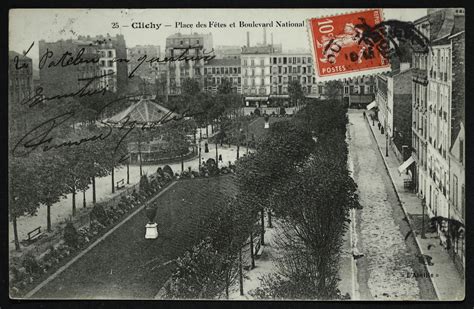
(43, 178)
(313, 204)
(298, 173)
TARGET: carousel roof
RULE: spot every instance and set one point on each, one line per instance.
(144, 111)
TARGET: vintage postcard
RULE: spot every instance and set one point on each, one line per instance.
(237, 154)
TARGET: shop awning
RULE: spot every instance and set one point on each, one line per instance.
(256, 99)
(406, 164)
(371, 105)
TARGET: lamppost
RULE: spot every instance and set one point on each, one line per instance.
(199, 153)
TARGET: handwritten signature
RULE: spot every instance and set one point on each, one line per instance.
(40, 136)
(68, 59)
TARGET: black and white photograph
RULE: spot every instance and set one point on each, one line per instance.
(236, 154)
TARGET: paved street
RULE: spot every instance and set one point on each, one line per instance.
(389, 262)
(63, 209)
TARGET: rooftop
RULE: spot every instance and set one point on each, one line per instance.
(224, 62)
(266, 49)
(144, 111)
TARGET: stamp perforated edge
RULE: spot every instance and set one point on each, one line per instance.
(343, 75)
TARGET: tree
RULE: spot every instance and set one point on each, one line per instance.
(190, 87)
(51, 173)
(285, 147)
(24, 191)
(295, 92)
(334, 90)
(213, 264)
(225, 87)
(176, 136)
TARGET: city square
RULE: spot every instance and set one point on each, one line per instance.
(196, 169)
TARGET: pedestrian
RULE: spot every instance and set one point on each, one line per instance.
(206, 148)
(220, 158)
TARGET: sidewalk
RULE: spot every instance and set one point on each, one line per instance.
(447, 282)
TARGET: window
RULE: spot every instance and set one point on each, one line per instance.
(110, 54)
(461, 150)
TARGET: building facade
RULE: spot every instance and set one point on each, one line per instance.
(359, 92)
(147, 71)
(287, 67)
(227, 52)
(393, 100)
(438, 107)
(189, 45)
(218, 70)
(20, 77)
(55, 79)
(256, 70)
(111, 50)
(420, 108)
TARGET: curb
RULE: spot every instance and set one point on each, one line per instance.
(99, 240)
(403, 208)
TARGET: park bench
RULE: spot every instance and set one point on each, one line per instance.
(34, 234)
(120, 184)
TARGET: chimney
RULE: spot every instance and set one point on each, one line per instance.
(264, 35)
(248, 39)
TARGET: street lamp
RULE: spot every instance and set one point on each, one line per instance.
(199, 153)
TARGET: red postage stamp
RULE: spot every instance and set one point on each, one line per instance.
(345, 46)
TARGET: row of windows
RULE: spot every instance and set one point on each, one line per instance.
(222, 70)
(218, 80)
(440, 66)
(362, 89)
(108, 54)
(290, 60)
(109, 63)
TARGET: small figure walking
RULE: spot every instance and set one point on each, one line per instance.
(220, 158)
(206, 148)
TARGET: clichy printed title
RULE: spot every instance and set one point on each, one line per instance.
(213, 25)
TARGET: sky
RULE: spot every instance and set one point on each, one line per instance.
(31, 25)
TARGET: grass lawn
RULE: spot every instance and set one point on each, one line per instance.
(256, 127)
(116, 267)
